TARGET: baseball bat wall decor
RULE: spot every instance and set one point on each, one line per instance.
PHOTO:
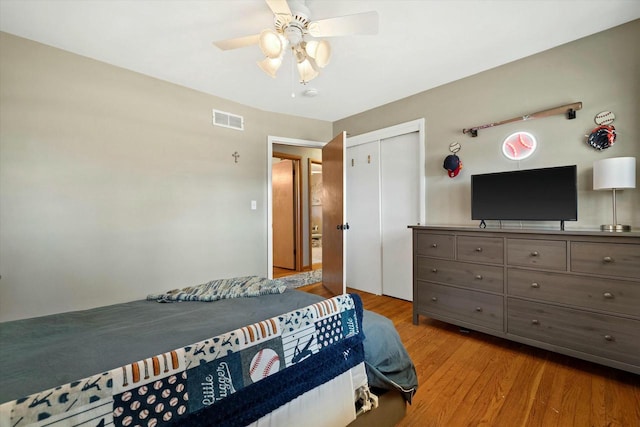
(569, 110)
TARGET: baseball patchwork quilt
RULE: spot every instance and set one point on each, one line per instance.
(230, 379)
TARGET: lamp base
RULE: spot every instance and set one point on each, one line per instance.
(615, 227)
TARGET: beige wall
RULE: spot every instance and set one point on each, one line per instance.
(114, 185)
(602, 71)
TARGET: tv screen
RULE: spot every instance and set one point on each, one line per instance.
(547, 194)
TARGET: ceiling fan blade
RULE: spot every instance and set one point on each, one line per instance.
(279, 7)
(238, 42)
(360, 23)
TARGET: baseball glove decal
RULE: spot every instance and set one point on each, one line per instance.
(602, 137)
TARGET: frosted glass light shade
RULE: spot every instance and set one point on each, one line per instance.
(270, 44)
(320, 51)
(270, 66)
(617, 172)
(306, 71)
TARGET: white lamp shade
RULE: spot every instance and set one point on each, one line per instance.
(306, 71)
(270, 44)
(270, 66)
(617, 172)
(320, 51)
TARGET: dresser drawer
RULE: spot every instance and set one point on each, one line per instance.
(617, 296)
(480, 249)
(610, 259)
(459, 304)
(436, 245)
(550, 254)
(598, 334)
(476, 276)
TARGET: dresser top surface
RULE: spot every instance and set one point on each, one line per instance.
(631, 235)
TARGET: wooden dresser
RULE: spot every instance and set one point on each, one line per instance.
(573, 292)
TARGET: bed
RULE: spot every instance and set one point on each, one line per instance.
(119, 353)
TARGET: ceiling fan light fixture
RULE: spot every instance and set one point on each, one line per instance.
(271, 43)
(270, 65)
(307, 71)
(320, 51)
(292, 26)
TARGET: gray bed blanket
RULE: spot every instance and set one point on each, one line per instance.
(41, 353)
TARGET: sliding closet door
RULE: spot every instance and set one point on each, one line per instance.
(363, 193)
(400, 189)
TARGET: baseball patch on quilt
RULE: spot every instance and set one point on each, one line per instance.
(349, 323)
(299, 344)
(262, 360)
(144, 371)
(329, 330)
(259, 332)
(211, 349)
(161, 401)
(87, 399)
(210, 382)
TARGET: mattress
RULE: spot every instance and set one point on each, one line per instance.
(40, 353)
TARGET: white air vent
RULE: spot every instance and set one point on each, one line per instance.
(228, 120)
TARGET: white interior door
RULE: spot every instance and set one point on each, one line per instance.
(400, 194)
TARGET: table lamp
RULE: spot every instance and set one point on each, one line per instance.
(614, 174)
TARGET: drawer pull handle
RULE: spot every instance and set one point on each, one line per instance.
(608, 295)
(435, 245)
(608, 337)
(478, 276)
(535, 322)
(535, 285)
(478, 309)
(478, 249)
(535, 253)
(607, 259)
(434, 270)
(434, 298)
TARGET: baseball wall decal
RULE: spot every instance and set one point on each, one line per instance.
(263, 364)
(604, 118)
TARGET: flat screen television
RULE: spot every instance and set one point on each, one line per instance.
(546, 194)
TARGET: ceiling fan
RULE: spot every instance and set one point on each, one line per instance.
(294, 29)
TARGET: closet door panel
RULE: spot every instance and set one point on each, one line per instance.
(400, 188)
(363, 207)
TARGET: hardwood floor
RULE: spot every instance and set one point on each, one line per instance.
(474, 379)
(283, 272)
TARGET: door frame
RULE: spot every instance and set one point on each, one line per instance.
(392, 132)
(284, 141)
(417, 125)
(297, 195)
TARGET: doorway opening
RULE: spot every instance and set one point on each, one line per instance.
(303, 150)
(315, 212)
(287, 214)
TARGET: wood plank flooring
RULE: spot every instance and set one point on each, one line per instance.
(283, 272)
(474, 379)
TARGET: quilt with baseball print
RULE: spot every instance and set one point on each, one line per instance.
(225, 380)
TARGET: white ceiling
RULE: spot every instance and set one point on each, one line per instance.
(420, 44)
